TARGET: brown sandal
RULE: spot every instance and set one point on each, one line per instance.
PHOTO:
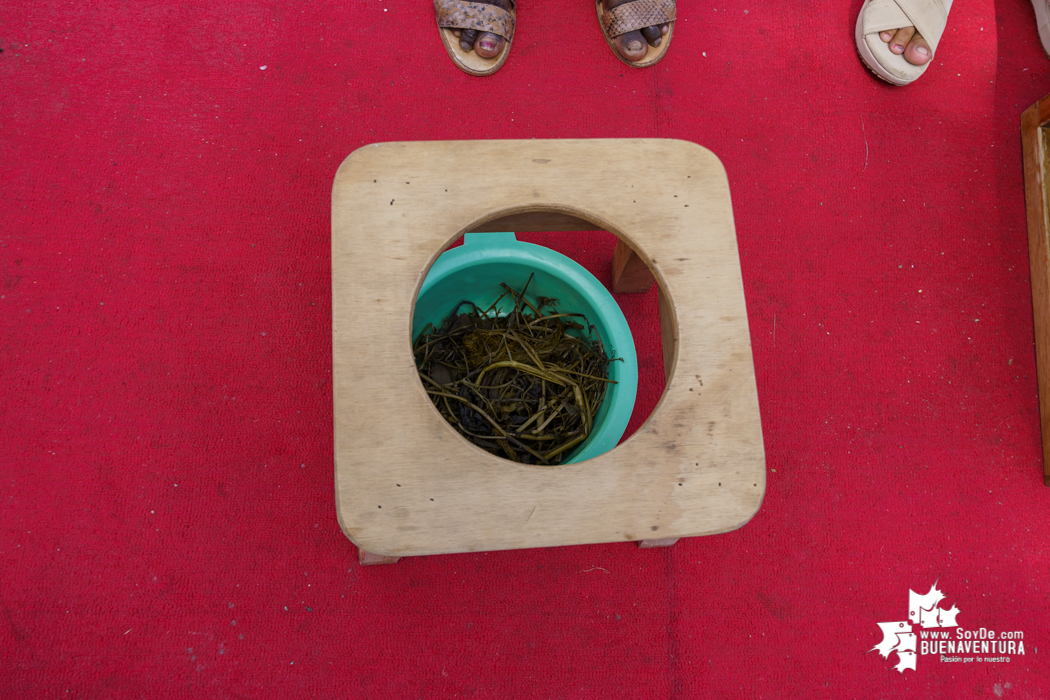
(637, 14)
(458, 14)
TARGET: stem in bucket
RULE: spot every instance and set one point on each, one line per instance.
(504, 380)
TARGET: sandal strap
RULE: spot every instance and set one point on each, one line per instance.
(637, 14)
(929, 17)
(458, 14)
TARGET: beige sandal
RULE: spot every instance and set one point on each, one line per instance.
(457, 14)
(633, 15)
(1042, 21)
(929, 17)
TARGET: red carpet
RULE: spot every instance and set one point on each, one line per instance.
(166, 469)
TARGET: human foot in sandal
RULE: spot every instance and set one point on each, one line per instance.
(487, 44)
(637, 30)
(1042, 21)
(476, 34)
(908, 43)
(634, 45)
(897, 38)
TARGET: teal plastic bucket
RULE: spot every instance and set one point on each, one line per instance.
(474, 271)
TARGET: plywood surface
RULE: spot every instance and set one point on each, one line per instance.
(406, 483)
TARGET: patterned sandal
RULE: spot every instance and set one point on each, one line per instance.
(637, 14)
(458, 14)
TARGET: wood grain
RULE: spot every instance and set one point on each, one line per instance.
(630, 274)
(1034, 144)
(406, 482)
(535, 221)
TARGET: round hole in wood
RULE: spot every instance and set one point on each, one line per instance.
(616, 262)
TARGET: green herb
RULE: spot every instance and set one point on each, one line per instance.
(516, 384)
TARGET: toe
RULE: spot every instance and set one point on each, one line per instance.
(467, 39)
(653, 35)
(489, 45)
(632, 46)
(918, 51)
(901, 38)
(886, 36)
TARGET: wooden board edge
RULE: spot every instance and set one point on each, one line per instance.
(1032, 142)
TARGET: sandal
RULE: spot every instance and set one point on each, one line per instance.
(637, 14)
(1042, 20)
(929, 17)
(458, 14)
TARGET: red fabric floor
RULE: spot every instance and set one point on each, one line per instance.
(166, 468)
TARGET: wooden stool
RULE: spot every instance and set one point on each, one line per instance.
(1034, 140)
(406, 482)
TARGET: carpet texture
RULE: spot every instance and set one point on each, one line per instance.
(166, 470)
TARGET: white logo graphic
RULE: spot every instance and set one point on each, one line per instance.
(922, 611)
(922, 634)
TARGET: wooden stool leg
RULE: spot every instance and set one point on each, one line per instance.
(369, 559)
(1033, 136)
(665, 542)
(630, 274)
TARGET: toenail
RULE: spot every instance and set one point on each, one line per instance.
(634, 46)
(488, 45)
(922, 51)
(898, 48)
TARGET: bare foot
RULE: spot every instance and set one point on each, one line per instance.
(910, 43)
(633, 46)
(484, 44)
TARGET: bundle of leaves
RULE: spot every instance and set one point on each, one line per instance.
(517, 384)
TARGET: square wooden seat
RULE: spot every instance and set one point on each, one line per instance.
(406, 482)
